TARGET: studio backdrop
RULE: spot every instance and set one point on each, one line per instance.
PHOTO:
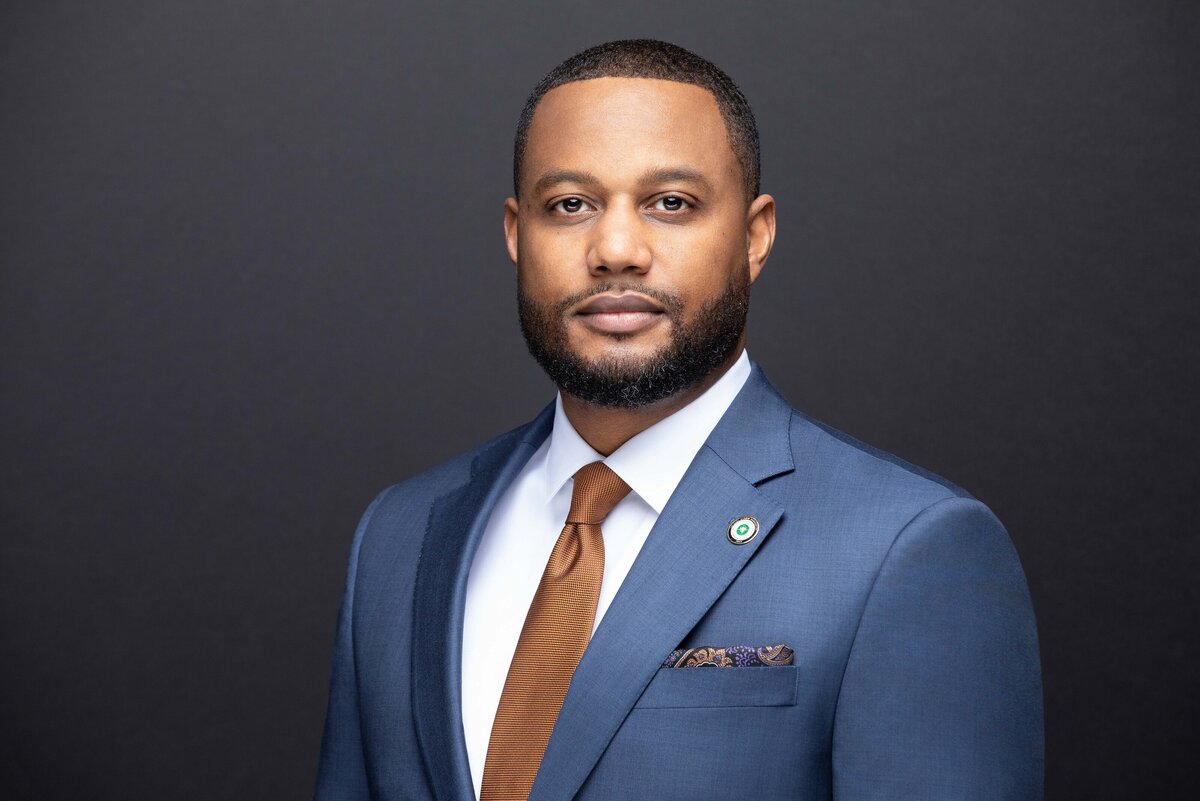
(253, 273)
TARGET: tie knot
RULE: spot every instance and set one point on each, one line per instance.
(597, 490)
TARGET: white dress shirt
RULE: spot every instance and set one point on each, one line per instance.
(529, 517)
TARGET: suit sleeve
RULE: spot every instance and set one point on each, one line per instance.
(941, 696)
(342, 771)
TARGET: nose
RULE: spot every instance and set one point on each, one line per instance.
(618, 242)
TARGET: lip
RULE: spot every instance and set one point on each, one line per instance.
(624, 302)
(627, 313)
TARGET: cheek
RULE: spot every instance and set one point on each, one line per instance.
(700, 263)
(549, 260)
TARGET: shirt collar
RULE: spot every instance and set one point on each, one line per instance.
(653, 462)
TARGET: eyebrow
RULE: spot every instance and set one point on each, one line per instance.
(564, 177)
(658, 175)
(666, 175)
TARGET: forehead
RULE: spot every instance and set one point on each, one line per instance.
(616, 128)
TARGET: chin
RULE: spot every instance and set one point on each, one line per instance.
(625, 351)
(587, 341)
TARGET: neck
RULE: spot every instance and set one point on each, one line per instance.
(607, 429)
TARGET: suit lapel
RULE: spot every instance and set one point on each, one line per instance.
(456, 524)
(685, 565)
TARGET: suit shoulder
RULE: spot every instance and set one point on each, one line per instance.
(422, 488)
(815, 441)
(855, 502)
(839, 476)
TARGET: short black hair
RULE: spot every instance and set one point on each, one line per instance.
(650, 58)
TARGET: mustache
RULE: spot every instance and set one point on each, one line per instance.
(669, 300)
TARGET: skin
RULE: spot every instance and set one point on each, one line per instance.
(632, 180)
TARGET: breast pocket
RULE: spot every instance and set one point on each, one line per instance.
(673, 688)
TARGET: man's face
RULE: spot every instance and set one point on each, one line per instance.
(633, 241)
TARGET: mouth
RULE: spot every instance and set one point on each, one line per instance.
(626, 313)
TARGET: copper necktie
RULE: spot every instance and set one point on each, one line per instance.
(556, 632)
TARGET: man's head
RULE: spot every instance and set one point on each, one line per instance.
(636, 226)
(649, 58)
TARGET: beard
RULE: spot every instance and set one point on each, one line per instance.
(696, 347)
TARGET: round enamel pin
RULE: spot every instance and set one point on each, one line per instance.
(743, 530)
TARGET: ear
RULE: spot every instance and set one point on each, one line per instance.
(760, 233)
(510, 227)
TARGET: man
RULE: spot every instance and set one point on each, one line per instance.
(671, 584)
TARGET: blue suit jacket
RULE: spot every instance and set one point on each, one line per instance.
(916, 670)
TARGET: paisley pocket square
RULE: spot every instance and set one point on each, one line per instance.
(731, 656)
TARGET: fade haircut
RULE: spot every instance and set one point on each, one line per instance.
(650, 58)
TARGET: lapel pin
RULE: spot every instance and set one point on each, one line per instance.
(743, 530)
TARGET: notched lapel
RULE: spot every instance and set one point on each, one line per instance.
(685, 565)
(456, 524)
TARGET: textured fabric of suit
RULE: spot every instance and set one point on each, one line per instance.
(915, 670)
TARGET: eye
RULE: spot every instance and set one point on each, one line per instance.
(570, 205)
(671, 203)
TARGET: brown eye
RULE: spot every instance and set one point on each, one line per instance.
(570, 205)
(671, 203)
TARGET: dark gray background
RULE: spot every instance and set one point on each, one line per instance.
(253, 272)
